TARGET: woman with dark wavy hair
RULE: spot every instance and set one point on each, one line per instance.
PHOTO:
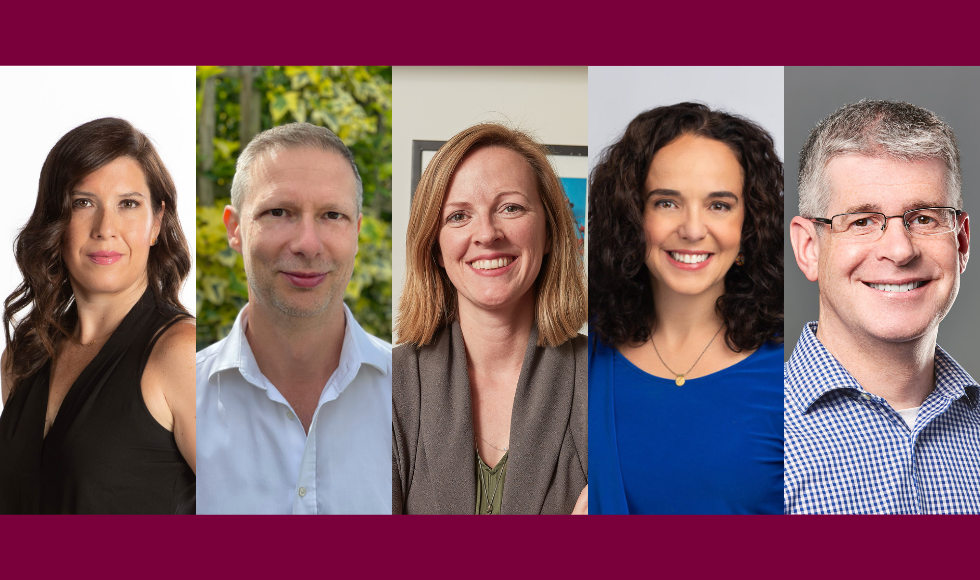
(98, 373)
(685, 307)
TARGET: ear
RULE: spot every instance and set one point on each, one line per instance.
(357, 247)
(233, 225)
(806, 246)
(158, 221)
(963, 241)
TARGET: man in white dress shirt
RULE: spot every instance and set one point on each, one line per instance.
(294, 406)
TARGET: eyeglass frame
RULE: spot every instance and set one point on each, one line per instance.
(905, 224)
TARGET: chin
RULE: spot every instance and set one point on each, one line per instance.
(902, 331)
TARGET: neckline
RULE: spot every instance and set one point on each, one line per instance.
(633, 367)
(496, 468)
(72, 392)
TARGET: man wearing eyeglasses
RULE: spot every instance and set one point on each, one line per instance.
(878, 418)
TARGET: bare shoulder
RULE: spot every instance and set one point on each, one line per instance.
(176, 343)
(171, 363)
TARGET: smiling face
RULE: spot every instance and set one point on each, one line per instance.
(107, 243)
(297, 231)
(897, 288)
(692, 216)
(493, 233)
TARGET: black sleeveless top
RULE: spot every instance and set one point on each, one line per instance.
(105, 453)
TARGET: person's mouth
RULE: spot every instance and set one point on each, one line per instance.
(492, 264)
(688, 258)
(305, 279)
(899, 287)
(104, 258)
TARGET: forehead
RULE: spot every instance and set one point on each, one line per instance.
(302, 176)
(883, 184)
(121, 175)
(692, 163)
(490, 171)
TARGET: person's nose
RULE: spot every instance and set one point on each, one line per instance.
(896, 242)
(692, 228)
(306, 240)
(487, 230)
(105, 225)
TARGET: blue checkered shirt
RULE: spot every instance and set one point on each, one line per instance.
(849, 452)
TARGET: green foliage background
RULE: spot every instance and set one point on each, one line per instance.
(354, 103)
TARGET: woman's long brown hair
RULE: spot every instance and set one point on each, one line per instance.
(45, 292)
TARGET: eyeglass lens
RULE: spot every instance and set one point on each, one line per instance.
(920, 222)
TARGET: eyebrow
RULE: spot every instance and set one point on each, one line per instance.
(712, 195)
(875, 208)
(130, 194)
(464, 203)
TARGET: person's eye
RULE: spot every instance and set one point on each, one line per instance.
(334, 215)
(923, 220)
(456, 218)
(81, 202)
(720, 206)
(130, 203)
(513, 208)
(276, 212)
(664, 204)
(861, 223)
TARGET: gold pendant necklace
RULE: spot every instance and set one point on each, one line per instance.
(679, 381)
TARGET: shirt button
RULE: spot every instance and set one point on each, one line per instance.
(290, 416)
(866, 397)
(302, 492)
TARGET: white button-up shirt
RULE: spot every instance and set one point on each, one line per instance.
(253, 456)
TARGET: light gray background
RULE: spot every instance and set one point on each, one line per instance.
(617, 94)
(813, 94)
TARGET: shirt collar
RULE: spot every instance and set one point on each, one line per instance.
(359, 348)
(812, 372)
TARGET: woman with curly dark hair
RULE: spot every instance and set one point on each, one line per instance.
(98, 373)
(685, 307)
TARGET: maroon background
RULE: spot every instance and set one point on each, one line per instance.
(504, 32)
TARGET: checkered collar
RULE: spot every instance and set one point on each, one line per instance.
(812, 372)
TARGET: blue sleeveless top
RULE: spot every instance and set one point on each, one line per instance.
(712, 446)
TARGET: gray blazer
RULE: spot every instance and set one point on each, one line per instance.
(433, 465)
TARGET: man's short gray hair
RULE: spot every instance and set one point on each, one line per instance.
(289, 136)
(882, 129)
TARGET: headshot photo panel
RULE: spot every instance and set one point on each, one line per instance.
(97, 388)
(881, 411)
(490, 371)
(685, 290)
(294, 362)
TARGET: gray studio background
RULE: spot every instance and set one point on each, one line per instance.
(951, 93)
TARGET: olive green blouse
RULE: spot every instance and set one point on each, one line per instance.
(490, 485)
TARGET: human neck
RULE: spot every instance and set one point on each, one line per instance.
(295, 352)
(99, 313)
(496, 340)
(902, 373)
(681, 317)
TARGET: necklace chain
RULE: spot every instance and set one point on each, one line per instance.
(680, 376)
(491, 444)
(97, 339)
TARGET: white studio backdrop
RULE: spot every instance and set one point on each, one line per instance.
(41, 104)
